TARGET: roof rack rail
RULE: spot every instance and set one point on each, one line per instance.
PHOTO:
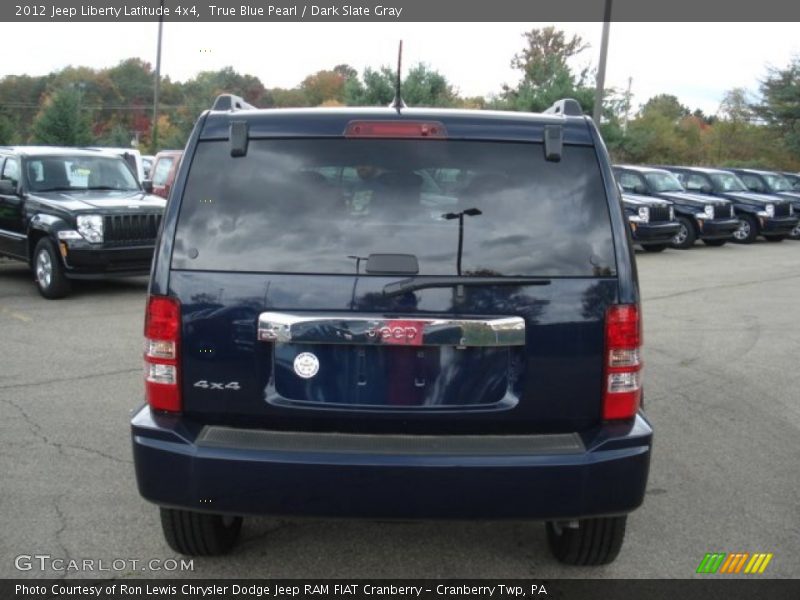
(566, 106)
(230, 102)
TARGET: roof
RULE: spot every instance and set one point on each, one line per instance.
(459, 123)
(706, 170)
(753, 171)
(641, 168)
(54, 151)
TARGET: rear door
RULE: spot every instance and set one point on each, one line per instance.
(325, 286)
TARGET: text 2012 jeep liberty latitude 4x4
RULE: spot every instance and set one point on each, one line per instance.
(394, 313)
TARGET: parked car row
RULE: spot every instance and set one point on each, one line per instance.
(713, 205)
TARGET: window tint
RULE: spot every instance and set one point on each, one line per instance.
(728, 182)
(629, 180)
(752, 182)
(11, 170)
(778, 183)
(695, 181)
(161, 172)
(51, 173)
(306, 206)
(663, 182)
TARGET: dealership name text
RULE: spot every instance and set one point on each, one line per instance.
(201, 591)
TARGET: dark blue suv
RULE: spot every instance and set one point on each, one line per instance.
(394, 313)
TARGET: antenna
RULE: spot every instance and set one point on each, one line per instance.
(398, 103)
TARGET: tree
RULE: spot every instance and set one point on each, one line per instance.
(377, 88)
(7, 131)
(426, 87)
(117, 136)
(324, 86)
(780, 105)
(62, 122)
(665, 105)
(546, 73)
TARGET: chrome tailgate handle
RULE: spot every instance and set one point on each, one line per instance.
(354, 328)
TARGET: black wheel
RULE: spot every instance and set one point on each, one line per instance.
(715, 242)
(775, 238)
(49, 271)
(748, 230)
(199, 534)
(795, 234)
(655, 247)
(686, 235)
(592, 542)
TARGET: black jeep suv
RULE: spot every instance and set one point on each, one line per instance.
(74, 214)
(327, 334)
(699, 216)
(652, 221)
(773, 184)
(758, 214)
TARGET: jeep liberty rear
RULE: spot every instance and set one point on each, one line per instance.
(386, 313)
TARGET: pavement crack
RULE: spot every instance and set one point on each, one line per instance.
(718, 287)
(36, 430)
(62, 527)
(64, 379)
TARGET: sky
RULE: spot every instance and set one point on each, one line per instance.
(697, 62)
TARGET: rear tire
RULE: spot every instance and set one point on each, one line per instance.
(655, 247)
(686, 236)
(199, 534)
(48, 270)
(715, 243)
(594, 542)
(775, 238)
(748, 230)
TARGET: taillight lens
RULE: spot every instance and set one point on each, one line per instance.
(622, 373)
(162, 326)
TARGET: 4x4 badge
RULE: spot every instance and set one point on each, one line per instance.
(306, 365)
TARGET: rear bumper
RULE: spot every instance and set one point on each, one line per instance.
(654, 233)
(181, 464)
(717, 229)
(87, 262)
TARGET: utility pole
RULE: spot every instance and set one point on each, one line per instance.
(601, 68)
(628, 97)
(157, 82)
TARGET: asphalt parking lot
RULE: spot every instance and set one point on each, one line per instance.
(721, 352)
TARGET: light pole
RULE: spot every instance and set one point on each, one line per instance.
(601, 67)
(157, 82)
(470, 212)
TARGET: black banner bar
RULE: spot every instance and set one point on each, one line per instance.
(748, 587)
(396, 10)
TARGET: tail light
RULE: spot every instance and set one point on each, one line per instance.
(395, 129)
(162, 327)
(623, 367)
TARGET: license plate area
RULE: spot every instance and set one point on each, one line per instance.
(398, 376)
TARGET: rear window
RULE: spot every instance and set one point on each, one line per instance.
(162, 170)
(318, 205)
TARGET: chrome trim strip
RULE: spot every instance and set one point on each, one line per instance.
(370, 329)
(14, 234)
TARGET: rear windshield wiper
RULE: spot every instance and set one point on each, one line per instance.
(419, 283)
